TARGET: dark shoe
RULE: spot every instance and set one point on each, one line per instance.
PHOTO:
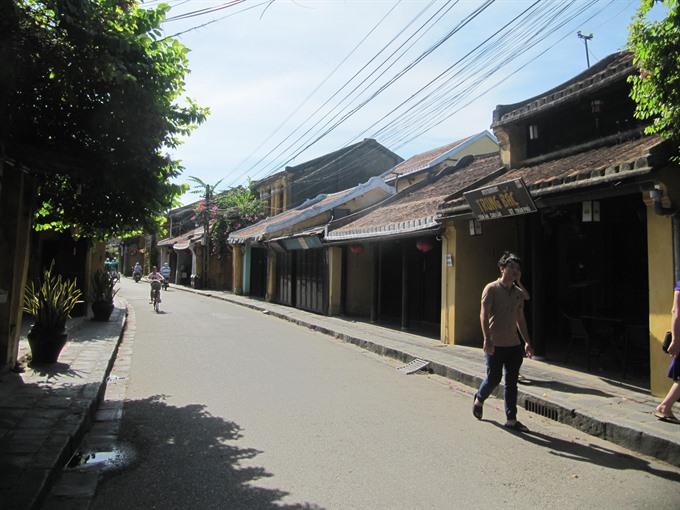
(517, 427)
(477, 410)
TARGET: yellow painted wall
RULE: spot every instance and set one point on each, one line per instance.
(475, 263)
(334, 280)
(660, 264)
(271, 275)
(360, 281)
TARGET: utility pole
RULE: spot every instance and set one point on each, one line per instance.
(585, 38)
(206, 235)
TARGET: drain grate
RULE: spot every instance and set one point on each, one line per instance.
(414, 366)
(541, 409)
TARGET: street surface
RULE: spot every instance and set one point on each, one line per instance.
(229, 408)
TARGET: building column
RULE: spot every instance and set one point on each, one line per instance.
(334, 280)
(271, 275)
(16, 195)
(405, 320)
(237, 268)
(661, 281)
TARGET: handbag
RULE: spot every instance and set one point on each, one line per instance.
(667, 341)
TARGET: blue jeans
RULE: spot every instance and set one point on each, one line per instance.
(511, 358)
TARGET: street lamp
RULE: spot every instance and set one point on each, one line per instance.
(585, 38)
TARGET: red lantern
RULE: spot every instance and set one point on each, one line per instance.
(357, 248)
(424, 245)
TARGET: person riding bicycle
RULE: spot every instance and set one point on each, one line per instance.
(156, 279)
(165, 272)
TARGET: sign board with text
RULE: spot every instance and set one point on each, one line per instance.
(509, 198)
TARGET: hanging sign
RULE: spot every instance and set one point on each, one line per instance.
(509, 198)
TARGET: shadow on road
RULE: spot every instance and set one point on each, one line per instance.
(590, 453)
(186, 458)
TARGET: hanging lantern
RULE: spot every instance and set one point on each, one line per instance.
(357, 248)
(424, 244)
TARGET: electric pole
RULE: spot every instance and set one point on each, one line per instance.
(585, 38)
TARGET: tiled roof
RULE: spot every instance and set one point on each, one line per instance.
(587, 168)
(415, 208)
(425, 159)
(183, 239)
(610, 69)
(368, 144)
(307, 210)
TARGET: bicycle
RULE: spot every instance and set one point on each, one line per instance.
(156, 301)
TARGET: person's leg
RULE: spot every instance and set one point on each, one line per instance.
(666, 406)
(513, 361)
(494, 372)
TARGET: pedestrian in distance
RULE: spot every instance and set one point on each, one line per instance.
(502, 319)
(664, 410)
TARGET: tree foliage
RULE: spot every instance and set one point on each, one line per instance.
(89, 93)
(656, 49)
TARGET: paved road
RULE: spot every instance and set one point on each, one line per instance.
(230, 408)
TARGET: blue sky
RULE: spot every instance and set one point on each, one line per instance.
(288, 81)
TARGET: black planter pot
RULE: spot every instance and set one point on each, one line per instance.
(102, 310)
(46, 345)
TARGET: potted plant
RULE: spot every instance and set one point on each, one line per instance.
(102, 295)
(50, 302)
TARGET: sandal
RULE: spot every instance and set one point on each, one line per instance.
(664, 417)
(477, 410)
(517, 427)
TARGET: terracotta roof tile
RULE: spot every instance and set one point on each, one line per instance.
(423, 160)
(580, 170)
(415, 208)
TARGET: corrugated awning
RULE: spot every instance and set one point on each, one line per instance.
(303, 240)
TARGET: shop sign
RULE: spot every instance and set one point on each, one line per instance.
(509, 198)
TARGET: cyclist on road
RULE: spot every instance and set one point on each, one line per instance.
(156, 279)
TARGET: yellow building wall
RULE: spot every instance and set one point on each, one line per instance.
(660, 267)
(475, 263)
(334, 280)
(271, 275)
(360, 281)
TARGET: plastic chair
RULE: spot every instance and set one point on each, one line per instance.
(578, 333)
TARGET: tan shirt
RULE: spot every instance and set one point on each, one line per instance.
(505, 306)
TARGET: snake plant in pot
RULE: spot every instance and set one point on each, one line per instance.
(102, 295)
(49, 301)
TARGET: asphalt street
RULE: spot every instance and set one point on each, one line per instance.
(228, 407)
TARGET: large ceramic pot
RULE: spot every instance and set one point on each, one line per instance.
(46, 345)
(102, 310)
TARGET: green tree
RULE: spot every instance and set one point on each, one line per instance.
(225, 212)
(656, 49)
(89, 94)
(237, 208)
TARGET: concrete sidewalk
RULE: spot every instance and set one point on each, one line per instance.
(45, 412)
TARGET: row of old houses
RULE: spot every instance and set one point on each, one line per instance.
(567, 179)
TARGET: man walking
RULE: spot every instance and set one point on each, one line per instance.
(502, 315)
